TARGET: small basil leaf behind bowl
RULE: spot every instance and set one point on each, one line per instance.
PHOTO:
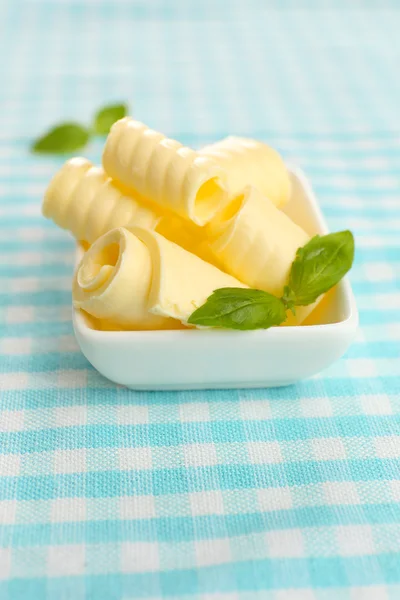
(63, 138)
(240, 308)
(319, 265)
(107, 116)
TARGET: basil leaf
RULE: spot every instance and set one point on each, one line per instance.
(240, 308)
(67, 137)
(319, 265)
(107, 116)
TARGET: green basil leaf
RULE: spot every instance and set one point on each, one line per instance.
(67, 137)
(107, 116)
(319, 265)
(240, 308)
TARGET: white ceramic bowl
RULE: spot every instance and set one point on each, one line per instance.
(201, 359)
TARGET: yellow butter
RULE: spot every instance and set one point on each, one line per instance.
(137, 279)
(84, 200)
(164, 171)
(257, 243)
(250, 162)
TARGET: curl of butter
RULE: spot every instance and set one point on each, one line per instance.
(250, 162)
(257, 243)
(84, 200)
(164, 171)
(137, 279)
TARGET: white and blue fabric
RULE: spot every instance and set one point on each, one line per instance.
(273, 494)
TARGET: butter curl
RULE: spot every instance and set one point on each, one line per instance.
(250, 162)
(137, 279)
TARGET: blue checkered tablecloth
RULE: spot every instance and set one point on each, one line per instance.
(281, 494)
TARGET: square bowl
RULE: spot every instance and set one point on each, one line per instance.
(216, 358)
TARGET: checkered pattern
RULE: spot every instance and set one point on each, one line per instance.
(282, 494)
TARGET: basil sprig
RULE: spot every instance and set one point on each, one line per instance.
(318, 266)
(69, 137)
(106, 117)
(240, 308)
